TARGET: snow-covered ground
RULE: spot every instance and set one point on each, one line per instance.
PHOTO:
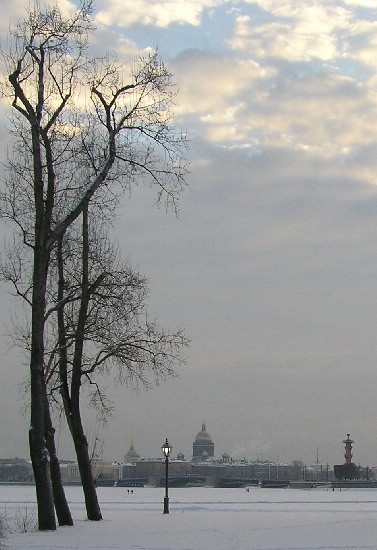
(206, 519)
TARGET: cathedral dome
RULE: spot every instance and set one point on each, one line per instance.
(203, 446)
(203, 435)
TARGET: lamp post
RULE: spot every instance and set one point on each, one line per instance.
(166, 450)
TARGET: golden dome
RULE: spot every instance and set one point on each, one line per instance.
(203, 434)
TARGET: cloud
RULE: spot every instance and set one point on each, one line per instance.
(303, 33)
(106, 39)
(158, 13)
(213, 88)
(237, 101)
(298, 78)
(325, 114)
(362, 44)
(361, 3)
(15, 10)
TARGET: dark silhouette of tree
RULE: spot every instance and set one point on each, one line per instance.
(78, 124)
(102, 327)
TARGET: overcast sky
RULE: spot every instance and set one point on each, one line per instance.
(271, 266)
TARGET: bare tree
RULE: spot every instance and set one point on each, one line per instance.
(78, 124)
(102, 325)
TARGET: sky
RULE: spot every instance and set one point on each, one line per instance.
(271, 263)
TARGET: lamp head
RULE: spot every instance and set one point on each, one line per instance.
(166, 448)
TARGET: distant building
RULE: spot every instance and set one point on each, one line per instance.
(101, 469)
(203, 446)
(15, 469)
(131, 456)
(69, 471)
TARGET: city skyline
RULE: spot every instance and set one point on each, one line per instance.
(131, 455)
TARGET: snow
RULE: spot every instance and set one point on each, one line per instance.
(206, 519)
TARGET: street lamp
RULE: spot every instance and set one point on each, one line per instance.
(166, 450)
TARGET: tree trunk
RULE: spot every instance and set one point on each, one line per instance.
(81, 444)
(93, 510)
(61, 505)
(38, 398)
(40, 459)
(40, 462)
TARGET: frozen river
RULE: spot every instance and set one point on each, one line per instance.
(207, 519)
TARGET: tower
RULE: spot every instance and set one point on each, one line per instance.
(131, 456)
(348, 448)
(348, 470)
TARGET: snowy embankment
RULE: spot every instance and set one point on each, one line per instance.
(206, 519)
